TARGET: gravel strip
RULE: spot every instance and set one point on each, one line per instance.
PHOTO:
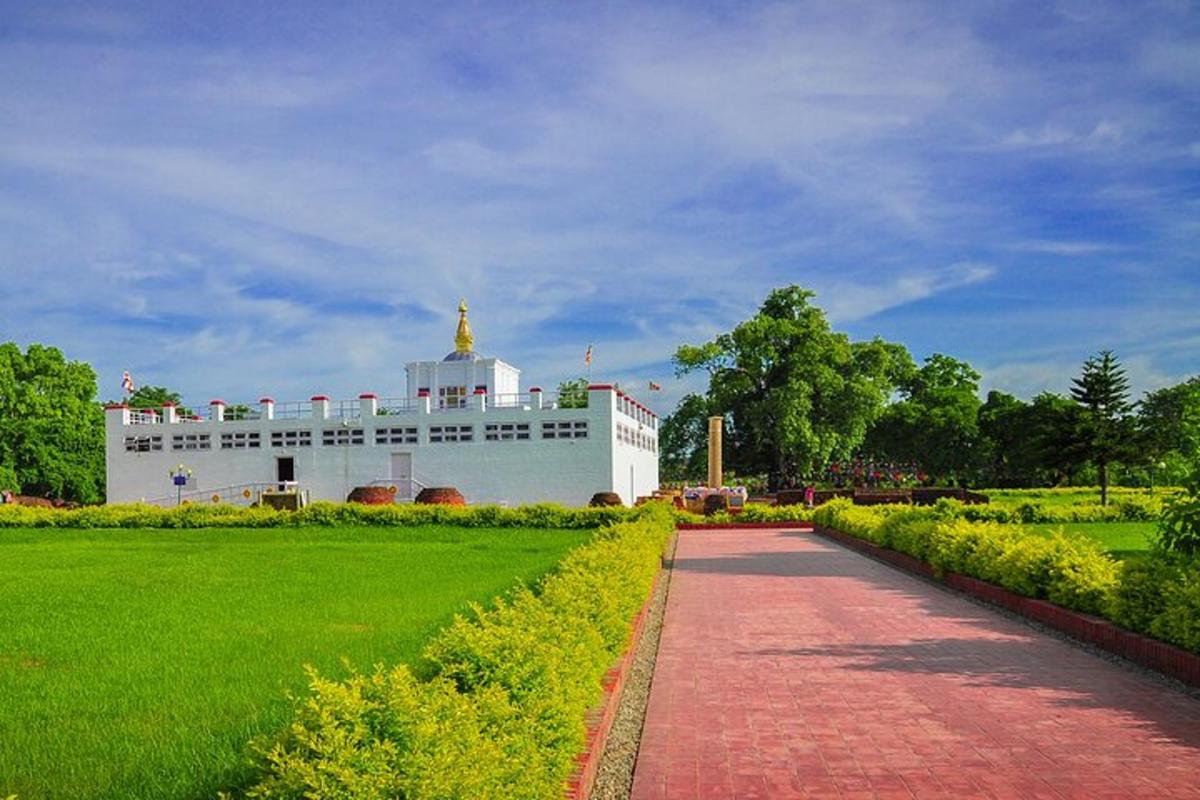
(614, 776)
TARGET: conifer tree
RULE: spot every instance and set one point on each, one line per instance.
(1106, 429)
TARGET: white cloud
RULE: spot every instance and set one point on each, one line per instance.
(1063, 248)
(850, 301)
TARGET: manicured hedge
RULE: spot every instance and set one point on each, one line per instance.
(497, 708)
(544, 515)
(1130, 508)
(1157, 594)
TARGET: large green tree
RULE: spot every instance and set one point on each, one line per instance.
(1106, 430)
(1168, 423)
(1053, 425)
(51, 428)
(683, 440)
(935, 423)
(1004, 441)
(794, 392)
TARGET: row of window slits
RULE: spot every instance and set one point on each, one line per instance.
(506, 431)
(438, 434)
(635, 438)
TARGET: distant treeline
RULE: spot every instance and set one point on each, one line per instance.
(798, 397)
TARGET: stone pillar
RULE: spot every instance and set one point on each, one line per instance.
(715, 477)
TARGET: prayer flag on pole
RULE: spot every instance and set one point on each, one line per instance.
(127, 382)
(587, 357)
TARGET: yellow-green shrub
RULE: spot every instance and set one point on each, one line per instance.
(1159, 594)
(224, 515)
(497, 709)
(1069, 571)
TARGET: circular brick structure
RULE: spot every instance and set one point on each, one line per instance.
(605, 499)
(441, 496)
(372, 495)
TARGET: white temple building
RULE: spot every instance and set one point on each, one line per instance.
(463, 422)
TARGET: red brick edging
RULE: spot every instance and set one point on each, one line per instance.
(1143, 650)
(600, 719)
(740, 526)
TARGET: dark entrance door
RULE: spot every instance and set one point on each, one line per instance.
(285, 470)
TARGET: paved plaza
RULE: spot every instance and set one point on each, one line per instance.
(792, 667)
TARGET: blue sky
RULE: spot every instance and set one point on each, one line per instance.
(237, 199)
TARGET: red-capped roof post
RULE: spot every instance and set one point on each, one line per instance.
(216, 410)
(368, 405)
(320, 406)
(169, 414)
(116, 415)
(535, 396)
(266, 407)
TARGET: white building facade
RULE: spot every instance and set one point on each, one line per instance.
(464, 422)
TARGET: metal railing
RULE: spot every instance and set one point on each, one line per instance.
(523, 400)
(396, 405)
(241, 494)
(352, 409)
(406, 489)
(345, 409)
(300, 410)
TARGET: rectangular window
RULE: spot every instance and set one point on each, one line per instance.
(396, 436)
(440, 434)
(506, 431)
(240, 440)
(575, 429)
(291, 438)
(340, 437)
(143, 444)
(452, 397)
(191, 441)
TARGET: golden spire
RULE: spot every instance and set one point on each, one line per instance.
(464, 342)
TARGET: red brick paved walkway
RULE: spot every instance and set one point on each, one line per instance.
(791, 667)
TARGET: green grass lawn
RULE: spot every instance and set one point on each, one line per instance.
(1121, 539)
(1082, 495)
(139, 663)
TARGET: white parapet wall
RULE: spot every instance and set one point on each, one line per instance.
(510, 449)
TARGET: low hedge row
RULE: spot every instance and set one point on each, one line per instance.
(497, 707)
(1157, 594)
(1127, 509)
(545, 515)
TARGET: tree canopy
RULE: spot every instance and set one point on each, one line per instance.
(935, 423)
(51, 428)
(1106, 431)
(795, 393)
